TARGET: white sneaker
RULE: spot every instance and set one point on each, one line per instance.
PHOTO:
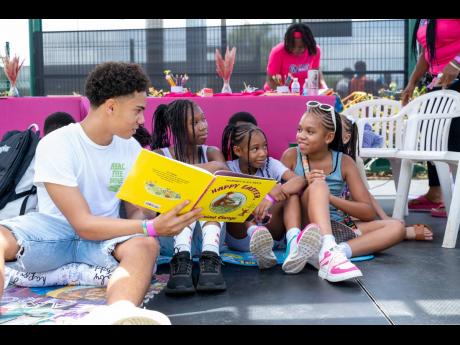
(124, 315)
(335, 267)
(308, 243)
(261, 246)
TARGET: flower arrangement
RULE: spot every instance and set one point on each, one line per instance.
(12, 68)
(224, 67)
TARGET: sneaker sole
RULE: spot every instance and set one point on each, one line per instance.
(260, 241)
(182, 291)
(342, 277)
(307, 246)
(221, 287)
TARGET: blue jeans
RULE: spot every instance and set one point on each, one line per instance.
(46, 243)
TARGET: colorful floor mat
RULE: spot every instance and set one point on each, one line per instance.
(58, 304)
(247, 259)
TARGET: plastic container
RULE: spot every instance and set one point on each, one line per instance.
(295, 86)
(282, 89)
(305, 88)
(177, 89)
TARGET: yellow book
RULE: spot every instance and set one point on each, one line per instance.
(160, 183)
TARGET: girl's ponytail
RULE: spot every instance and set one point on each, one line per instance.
(226, 145)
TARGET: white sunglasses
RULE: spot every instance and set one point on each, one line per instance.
(324, 107)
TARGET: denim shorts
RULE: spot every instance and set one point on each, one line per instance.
(47, 242)
(167, 243)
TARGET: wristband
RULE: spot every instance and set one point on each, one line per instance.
(270, 198)
(144, 227)
(151, 229)
(454, 65)
(457, 59)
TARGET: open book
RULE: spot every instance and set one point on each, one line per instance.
(159, 183)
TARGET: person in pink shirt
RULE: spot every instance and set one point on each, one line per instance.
(296, 55)
(440, 42)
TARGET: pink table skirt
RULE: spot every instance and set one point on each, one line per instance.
(278, 116)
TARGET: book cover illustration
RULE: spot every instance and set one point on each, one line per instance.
(159, 183)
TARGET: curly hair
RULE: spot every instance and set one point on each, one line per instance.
(114, 79)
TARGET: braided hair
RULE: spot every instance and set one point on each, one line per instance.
(307, 38)
(430, 38)
(234, 136)
(328, 124)
(350, 148)
(170, 121)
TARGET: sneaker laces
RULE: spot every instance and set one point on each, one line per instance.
(210, 263)
(181, 264)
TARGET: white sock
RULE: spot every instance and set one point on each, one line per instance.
(328, 242)
(292, 233)
(183, 241)
(346, 249)
(211, 237)
(123, 304)
(251, 230)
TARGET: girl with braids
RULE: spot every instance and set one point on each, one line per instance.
(419, 232)
(185, 123)
(246, 148)
(320, 160)
(440, 42)
(296, 55)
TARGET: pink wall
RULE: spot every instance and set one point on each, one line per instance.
(278, 116)
(20, 112)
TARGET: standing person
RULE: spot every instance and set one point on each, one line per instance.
(187, 125)
(440, 43)
(360, 82)
(79, 168)
(296, 55)
(319, 159)
(246, 146)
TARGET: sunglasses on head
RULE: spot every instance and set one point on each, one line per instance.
(324, 107)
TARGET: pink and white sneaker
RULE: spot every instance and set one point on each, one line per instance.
(261, 246)
(307, 244)
(335, 267)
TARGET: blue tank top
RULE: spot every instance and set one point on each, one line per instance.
(334, 180)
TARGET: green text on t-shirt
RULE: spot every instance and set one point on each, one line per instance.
(117, 176)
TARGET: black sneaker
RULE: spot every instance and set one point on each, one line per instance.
(180, 277)
(210, 278)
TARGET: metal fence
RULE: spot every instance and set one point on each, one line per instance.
(64, 59)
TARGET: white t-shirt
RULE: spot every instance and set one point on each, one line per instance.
(276, 169)
(68, 157)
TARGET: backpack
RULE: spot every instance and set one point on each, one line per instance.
(17, 150)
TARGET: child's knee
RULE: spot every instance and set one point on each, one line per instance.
(318, 187)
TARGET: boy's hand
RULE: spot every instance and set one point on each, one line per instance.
(171, 224)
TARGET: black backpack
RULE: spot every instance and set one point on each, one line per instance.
(17, 149)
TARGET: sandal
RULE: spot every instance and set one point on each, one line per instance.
(419, 230)
(423, 204)
(439, 212)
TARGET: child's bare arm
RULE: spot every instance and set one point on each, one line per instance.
(360, 207)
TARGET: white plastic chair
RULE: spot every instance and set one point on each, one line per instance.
(426, 138)
(374, 112)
